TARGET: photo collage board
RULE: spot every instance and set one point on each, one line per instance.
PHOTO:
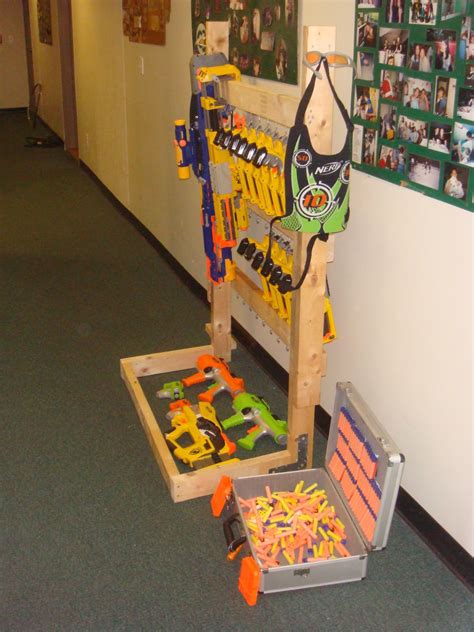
(262, 35)
(413, 99)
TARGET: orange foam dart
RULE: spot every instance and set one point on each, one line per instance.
(347, 484)
(249, 580)
(336, 466)
(300, 554)
(342, 446)
(343, 424)
(367, 524)
(341, 549)
(268, 493)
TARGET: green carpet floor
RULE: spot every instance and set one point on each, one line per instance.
(91, 540)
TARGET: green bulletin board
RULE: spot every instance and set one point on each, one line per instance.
(413, 100)
(262, 35)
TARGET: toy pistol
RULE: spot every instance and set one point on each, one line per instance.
(215, 369)
(251, 408)
(196, 437)
(171, 390)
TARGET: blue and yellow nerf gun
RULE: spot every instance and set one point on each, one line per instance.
(208, 72)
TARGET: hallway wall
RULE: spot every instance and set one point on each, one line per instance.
(47, 70)
(402, 298)
(13, 74)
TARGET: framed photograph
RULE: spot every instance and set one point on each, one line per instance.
(367, 29)
(365, 66)
(391, 84)
(440, 137)
(366, 103)
(364, 145)
(395, 11)
(388, 121)
(369, 4)
(445, 95)
(413, 131)
(469, 80)
(455, 180)
(425, 171)
(465, 37)
(392, 158)
(463, 144)
(393, 46)
(466, 104)
(417, 94)
(445, 48)
(423, 11)
(452, 8)
(421, 57)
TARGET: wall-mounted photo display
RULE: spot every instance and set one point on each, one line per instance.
(391, 84)
(445, 48)
(367, 29)
(364, 145)
(262, 35)
(469, 79)
(456, 180)
(412, 131)
(366, 103)
(440, 137)
(421, 57)
(392, 158)
(393, 46)
(413, 100)
(423, 11)
(388, 121)
(445, 94)
(417, 94)
(395, 11)
(365, 63)
(463, 144)
(425, 171)
(466, 104)
(452, 8)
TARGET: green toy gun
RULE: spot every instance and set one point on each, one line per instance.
(251, 408)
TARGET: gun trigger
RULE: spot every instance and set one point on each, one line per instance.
(253, 429)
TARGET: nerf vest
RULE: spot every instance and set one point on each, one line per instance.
(316, 185)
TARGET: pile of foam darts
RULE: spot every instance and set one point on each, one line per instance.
(298, 526)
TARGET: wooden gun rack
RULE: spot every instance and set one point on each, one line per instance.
(304, 336)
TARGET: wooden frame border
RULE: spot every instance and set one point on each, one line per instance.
(198, 482)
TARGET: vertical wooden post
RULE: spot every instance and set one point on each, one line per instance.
(221, 298)
(307, 324)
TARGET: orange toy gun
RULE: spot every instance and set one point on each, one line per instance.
(215, 369)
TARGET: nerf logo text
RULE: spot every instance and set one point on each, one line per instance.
(327, 169)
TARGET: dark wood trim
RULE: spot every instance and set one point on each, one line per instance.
(431, 532)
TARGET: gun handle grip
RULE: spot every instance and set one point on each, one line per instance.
(209, 395)
(233, 421)
(248, 442)
(196, 378)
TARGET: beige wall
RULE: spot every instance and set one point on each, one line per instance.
(47, 70)
(13, 69)
(100, 92)
(402, 297)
